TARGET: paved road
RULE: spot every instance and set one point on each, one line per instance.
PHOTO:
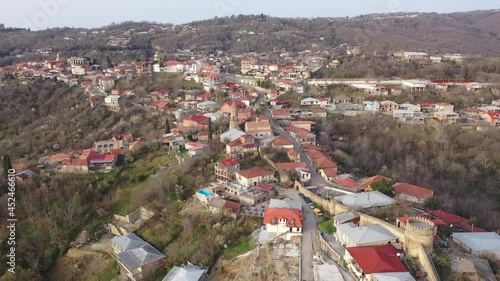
(309, 243)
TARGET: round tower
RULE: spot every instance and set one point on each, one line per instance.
(418, 231)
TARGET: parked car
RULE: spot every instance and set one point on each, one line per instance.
(318, 212)
(301, 195)
(312, 205)
(307, 200)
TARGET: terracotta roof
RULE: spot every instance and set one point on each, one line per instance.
(366, 184)
(255, 172)
(233, 206)
(280, 141)
(412, 190)
(376, 259)
(265, 186)
(283, 213)
(290, 165)
(200, 119)
(347, 182)
(230, 162)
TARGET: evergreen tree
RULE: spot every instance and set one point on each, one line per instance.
(167, 127)
(7, 165)
(210, 130)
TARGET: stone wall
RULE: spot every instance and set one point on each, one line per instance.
(327, 248)
(335, 208)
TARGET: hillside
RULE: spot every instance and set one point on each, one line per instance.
(475, 33)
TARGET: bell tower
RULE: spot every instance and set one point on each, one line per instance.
(234, 122)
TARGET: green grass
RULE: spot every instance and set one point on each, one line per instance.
(327, 227)
(238, 249)
(110, 273)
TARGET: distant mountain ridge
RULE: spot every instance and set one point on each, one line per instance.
(473, 33)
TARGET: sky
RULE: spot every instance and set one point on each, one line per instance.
(41, 14)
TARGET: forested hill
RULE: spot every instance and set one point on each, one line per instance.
(475, 33)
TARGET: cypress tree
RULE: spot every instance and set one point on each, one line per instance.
(209, 130)
(7, 165)
(167, 127)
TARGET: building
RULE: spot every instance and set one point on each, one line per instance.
(303, 136)
(195, 120)
(247, 196)
(282, 219)
(365, 200)
(364, 261)
(366, 185)
(101, 162)
(217, 205)
(478, 243)
(186, 273)
(436, 107)
(225, 170)
(281, 142)
(112, 102)
(244, 144)
(371, 106)
(446, 117)
(415, 85)
(411, 193)
(409, 106)
(196, 148)
(254, 176)
(392, 276)
(388, 106)
(415, 55)
(259, 129)
(234, 123)
(106, 83)
(350, 235)
(138, 258)
(346, 217)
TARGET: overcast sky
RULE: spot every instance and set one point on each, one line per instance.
(40, 14)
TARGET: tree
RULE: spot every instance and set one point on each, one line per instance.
(210, 130)
(7, 165)
(431, 203)
(383, 186)
(167, 127)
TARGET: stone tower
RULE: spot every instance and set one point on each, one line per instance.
(418, 231)
(234, 123)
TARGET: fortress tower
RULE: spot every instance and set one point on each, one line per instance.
(418, 231)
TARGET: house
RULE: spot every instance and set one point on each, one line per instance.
(478, 243)
(244, 144)
(281, 142)
(225, 170)
(207, 106)
(310, 102)
(303, 136)
(364, 261)
(236, 95)
(293, 155)
(409, 106)
(411, 193)
(217, 205)
(446, 117)
(138, 258)
(196, 148)
(350, 235)
(308, 125)
(282, 218)
(388, 106)
(454, 221)
(106, 146)
(254, 176)
(231, 135)
(492, 118)
(436, 107)
(186, 273)
(365, 200)
(347, 182)
(414, 85)
(259, 129)
(106, 83)
(101, 162)
(195, 120)
(321, 161)
(282, 114)
(371, 106)
(408, 116)
(112, 102)
(415, 55)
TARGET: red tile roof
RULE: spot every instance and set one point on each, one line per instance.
(290, 165)
(447, 217)
(377, 259)
(230, 162)
(233, 206)
(366, 184)
(280, 141)
(255, 172)
(200, 119)
(412, 190)
(283, 213)
(347, 182)
(265, 186)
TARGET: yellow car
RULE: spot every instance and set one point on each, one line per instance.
(318, 212)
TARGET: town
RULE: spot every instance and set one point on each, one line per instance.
(258, 124)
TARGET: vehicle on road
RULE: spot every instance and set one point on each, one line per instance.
(312, 206)
(318, 212)
(308, 201)
(301, 195)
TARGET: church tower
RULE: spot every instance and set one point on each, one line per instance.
(234, 122)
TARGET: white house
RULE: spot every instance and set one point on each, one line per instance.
(282, 218)
(415, 85)
(479, 243)
(371, 106)
(254, 176)
(310, 102)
